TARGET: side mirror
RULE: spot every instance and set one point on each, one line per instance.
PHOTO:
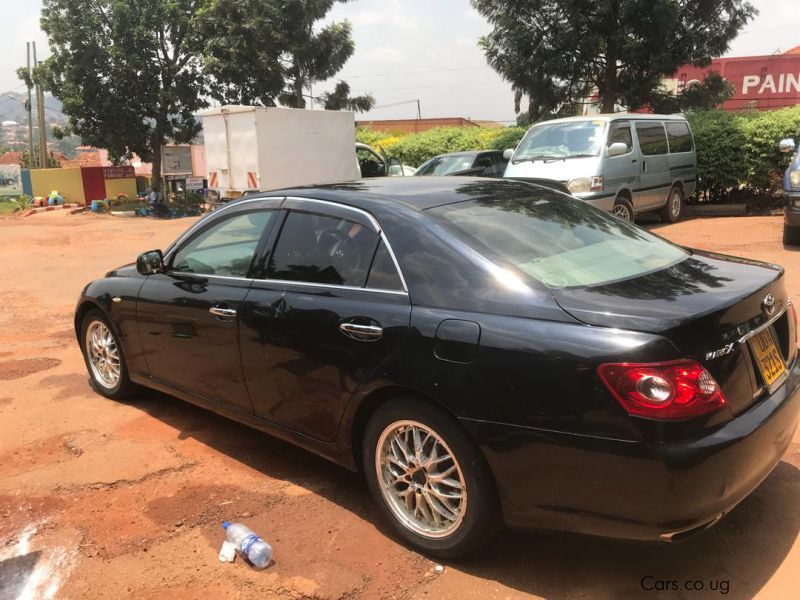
(787, 145)
(617, 149)
(150, 262)
(508, 153)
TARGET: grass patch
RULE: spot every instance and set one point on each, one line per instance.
(8, 206)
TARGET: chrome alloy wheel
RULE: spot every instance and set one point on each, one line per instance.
(621, 212)
(675, 203)
(420, 479)
(103, 354)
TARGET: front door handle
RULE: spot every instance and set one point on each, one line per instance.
(360, 332)
(225, 314)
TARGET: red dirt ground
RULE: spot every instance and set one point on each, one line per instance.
(107, 500)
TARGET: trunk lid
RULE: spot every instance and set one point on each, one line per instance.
(705, 305)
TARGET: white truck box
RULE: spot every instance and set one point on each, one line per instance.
(265, 148)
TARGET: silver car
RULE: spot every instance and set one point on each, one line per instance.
(625, 163)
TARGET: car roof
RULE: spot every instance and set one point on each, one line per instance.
(625, 116)
(417, 193)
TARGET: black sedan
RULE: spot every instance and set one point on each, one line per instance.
(486, 352)
(487, 163)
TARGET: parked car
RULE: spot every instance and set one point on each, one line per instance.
(490, 163)
(627, 164)
(375, 164)
(484, 351)
(791, 186)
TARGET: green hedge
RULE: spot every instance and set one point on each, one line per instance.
(739, 151)
(415, 148)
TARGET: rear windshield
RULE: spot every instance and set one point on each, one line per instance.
(559, 241)
(443, 165)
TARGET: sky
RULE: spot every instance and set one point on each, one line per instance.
(409, 50)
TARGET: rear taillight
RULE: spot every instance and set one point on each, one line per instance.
(674, 390)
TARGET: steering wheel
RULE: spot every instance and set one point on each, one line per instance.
(342, 251)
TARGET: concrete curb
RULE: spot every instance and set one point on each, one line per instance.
(38, 209)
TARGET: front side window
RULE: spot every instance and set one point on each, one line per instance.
(370, 163)
(572, 139)
(652, 139)
(621, 134)
(317, 248)
(680, 139)
(558, 241)
(226, 248)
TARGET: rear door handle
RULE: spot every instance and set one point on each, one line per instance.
(362, 333)
(225, 314)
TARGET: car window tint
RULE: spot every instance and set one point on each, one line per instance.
(680, 140)
(226, 248)
(383, 275)
(621, 133)
(652, 138)
(317, 248)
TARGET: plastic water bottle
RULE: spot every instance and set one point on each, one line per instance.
(252, 547)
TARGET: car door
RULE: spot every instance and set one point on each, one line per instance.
(621, 171)
(188, 315)
(655, 179)
(329, 308)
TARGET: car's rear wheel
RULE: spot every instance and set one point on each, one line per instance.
(791, 235)
(104, 357)
(429, 479)
(623, 209)
(671, 212)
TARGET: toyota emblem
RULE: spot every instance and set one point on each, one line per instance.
(768, 304)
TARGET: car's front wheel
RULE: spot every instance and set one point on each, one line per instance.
(429, 479)
(104, 359)
(791, 235)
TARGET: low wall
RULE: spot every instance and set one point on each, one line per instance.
(72, 184)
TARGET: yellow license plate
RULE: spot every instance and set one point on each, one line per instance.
(769, 359)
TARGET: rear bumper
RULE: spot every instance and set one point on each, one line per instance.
(636, 490)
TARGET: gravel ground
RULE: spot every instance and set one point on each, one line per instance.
(107, 500)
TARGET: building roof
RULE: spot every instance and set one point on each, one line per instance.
(795, 50)
(83, 159)
(11, 158)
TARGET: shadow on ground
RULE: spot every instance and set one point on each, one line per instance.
(740, 554)
(15, 573)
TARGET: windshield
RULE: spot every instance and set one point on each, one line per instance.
(443, 165)
(558, 241)
(561, 140)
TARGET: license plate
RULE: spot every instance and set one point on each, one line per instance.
(769, 359)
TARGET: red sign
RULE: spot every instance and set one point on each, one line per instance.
(761, 82)
(118, 172)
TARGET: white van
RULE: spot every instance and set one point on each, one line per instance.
(624, 163)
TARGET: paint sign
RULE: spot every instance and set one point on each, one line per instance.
(125, 172)
(10, 180)
(762, 82)
(177, 160)
(194, 183)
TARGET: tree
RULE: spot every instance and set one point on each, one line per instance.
(698, 95)
(340, 99)
(128, 73)
(558, 51)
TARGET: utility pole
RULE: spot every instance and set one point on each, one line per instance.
(40, 113)
(29, 108)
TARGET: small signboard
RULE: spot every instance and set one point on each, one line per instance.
(194, 183)
(10, 180)
(177, 160)
(119, 172)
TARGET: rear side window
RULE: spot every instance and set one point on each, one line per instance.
(317, 248)
(680, 140)
(384, 275)
(652, 138)
(621, 133)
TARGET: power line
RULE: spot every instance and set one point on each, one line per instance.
(394, 73)
(426, 87)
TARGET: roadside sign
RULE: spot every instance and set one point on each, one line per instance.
(177, 160)
(10, 180)
(194, 183)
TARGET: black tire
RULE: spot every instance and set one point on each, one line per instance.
(791, 235)
(124, 387)
(481, 518)
(672, 211)
(623, 209)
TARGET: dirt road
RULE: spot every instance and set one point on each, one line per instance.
(107, 500)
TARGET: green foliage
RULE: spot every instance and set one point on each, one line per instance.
(340, 99)
(415, 148)
(557, 51)
(713, 91)
(740, 150)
